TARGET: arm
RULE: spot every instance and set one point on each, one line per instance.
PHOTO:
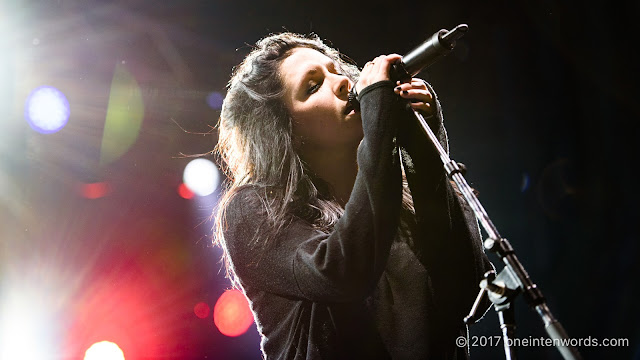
(346, 264)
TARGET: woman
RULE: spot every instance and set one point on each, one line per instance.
(339, 256)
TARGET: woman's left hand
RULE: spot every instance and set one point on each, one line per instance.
(417, 92)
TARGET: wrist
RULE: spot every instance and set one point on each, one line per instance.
(367, 89)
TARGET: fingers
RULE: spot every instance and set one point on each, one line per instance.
(426, 108)
(376, 70)
(415, 83)
(417, 93)
(383, 61)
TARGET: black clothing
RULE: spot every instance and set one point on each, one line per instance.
(366, 290)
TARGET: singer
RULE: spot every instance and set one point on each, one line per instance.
(339, 224)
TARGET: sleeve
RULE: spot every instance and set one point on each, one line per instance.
(346, 264)
(448, 237)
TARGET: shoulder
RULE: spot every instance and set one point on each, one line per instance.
(249, 214)
(242, 206)
(245, 198)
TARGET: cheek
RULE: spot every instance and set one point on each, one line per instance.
(309, 121)
(307, 127)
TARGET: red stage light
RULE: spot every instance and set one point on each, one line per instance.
(231, 314)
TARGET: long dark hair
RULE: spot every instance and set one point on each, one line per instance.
(256, 142)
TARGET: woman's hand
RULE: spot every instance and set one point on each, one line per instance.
(417, 92)
(376, 70)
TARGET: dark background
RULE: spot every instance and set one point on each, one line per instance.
(539, 101)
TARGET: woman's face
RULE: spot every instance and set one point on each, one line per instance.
(316, 96)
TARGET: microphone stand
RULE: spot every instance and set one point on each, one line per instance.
(512, 280)
(501, 289)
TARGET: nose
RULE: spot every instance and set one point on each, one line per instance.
(341, 86)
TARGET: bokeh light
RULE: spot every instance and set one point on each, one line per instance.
(184, 191)
(94, 190)
(232, 314)
(104, 350)
(201, 310)
(47, 110)
(214, 99)
(201, 176)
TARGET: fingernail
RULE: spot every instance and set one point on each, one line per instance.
(405, 92)
(397, 88)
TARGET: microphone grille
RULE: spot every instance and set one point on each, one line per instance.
(353, 98)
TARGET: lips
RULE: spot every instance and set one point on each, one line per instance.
(350, 107)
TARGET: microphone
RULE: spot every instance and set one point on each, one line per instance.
(438, 45)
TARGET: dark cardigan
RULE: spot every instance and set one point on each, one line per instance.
(366, 290)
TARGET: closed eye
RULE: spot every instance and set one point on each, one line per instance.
(313, 88)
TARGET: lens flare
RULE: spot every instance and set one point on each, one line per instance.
(94, 190)
(124, 116)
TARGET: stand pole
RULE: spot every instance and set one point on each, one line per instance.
(508, 327)
(501, 247)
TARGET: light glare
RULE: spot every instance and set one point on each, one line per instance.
(25, 324)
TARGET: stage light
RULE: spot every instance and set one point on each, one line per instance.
(47, 110)
(184, 191)
(232, 314)
(202, 310)
(104, 350)
(215, 99)
(201, 176)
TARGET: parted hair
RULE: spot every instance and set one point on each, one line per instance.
(255, 138)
